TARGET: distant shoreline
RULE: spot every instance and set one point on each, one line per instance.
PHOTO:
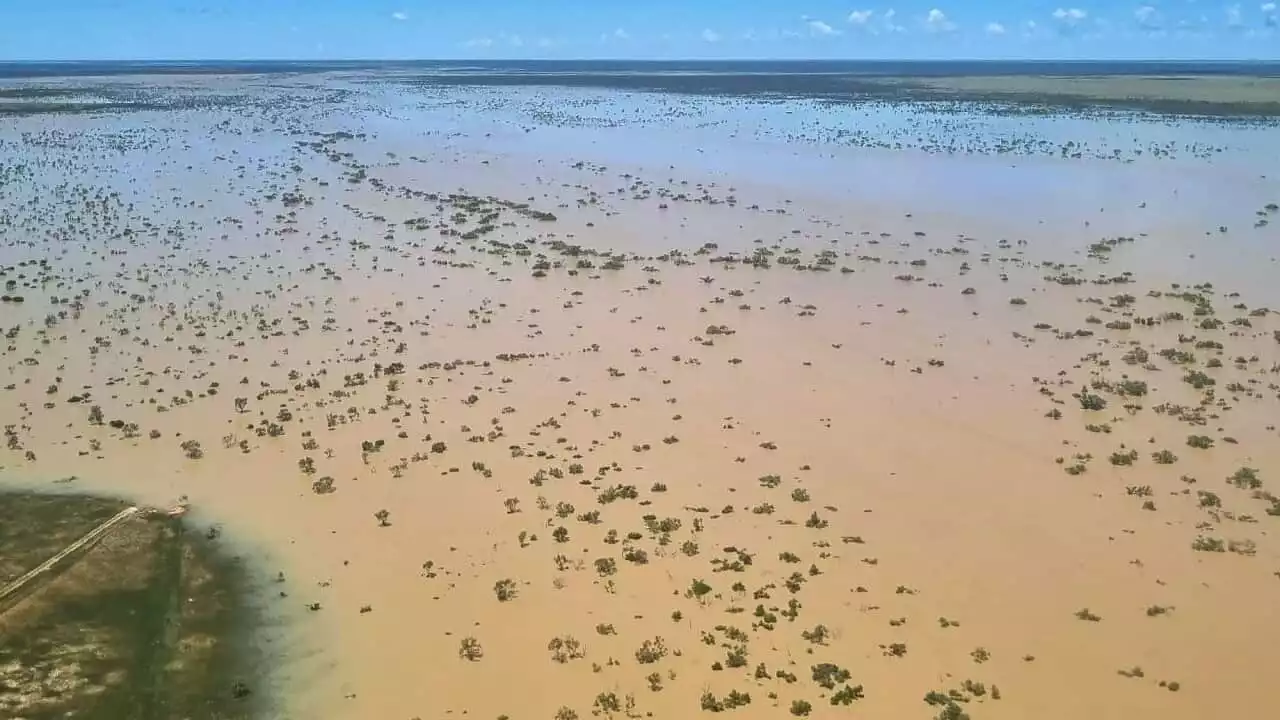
(1222, 90)
(908, 68)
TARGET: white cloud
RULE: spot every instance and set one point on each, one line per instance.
(1190, 26)
(818, 27)
(1148, 17)
(710, 35)
(889, 24)
(1068, 21)
(544, 42)
(400, 15)
(1233, 16)
(1070, 16)
(995, 28)
(861, 17)
(483, 42)
(1270, 18)
(936, 21)
(618, 34)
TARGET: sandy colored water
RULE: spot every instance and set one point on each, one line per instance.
(918, 477)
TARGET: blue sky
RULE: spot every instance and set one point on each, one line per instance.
(239, 29)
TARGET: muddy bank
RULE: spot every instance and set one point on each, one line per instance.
(152, 621)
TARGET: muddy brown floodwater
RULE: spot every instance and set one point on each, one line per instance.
(527, 414)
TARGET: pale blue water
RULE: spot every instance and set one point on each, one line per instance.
(1081, 176)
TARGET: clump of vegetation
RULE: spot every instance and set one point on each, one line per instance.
(470, 649)
(1135, 388)
(828, 675)
(1125, 458)
(651, 651)
(1245, 478)
(505, 590)
(1208, 544)
(654, 680)
(566, 648)
(698, 589)
(846, 695)
(1198, 379)
(192, 449)
(608, 703)
(818, 635)
(1089, 401)
(734, 699)
(1076, 468)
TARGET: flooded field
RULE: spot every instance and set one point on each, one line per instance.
(142, 621)
(652, 404)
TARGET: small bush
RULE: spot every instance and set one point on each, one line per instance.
(1089, 401)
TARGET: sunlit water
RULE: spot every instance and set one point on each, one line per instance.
(1007, 173)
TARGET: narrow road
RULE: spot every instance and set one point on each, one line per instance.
(88, 537)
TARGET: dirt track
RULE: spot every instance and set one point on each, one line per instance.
(88, 538)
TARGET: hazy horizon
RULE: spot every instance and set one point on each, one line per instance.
(653, 60)
(483, 29)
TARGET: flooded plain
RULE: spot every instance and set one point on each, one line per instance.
(648, 404)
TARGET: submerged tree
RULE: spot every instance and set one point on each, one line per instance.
(469, 649)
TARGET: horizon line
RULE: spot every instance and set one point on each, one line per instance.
(33, 61)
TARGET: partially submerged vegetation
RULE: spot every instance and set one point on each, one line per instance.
(639, 443)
